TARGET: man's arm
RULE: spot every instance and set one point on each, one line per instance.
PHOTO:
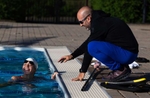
(87, 57)
(76, 53)
(82, 49)
(86, 62)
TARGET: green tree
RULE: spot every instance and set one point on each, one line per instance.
(128, 10)
(39, 8)
(12, 9)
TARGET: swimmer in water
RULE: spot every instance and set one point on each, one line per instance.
(29, 68)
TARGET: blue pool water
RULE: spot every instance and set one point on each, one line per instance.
(42, 86)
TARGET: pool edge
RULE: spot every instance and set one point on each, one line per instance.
(59, 78)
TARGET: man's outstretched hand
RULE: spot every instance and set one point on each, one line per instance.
(80, 77)
(65, 58)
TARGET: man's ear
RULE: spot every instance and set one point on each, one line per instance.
(89, 19)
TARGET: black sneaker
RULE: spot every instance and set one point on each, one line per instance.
(118, 75)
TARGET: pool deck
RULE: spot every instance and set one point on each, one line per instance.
(69, 70)
(71, 36)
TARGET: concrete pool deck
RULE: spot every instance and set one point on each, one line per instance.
(68, 70)
(71, 36)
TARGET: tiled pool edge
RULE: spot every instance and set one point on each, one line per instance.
(59, 78)
(55, 53)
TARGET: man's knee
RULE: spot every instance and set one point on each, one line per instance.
(92, 47)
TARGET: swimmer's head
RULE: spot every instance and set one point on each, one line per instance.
(30, 66)
(32, 61)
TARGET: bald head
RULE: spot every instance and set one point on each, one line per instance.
(84, 11)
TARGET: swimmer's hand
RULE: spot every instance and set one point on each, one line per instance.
(80, 77)
(65, 58)
(54, 75)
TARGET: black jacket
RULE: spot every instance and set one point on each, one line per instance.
(109, 29)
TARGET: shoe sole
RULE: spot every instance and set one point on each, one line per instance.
(120, 78)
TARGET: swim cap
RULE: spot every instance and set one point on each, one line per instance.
(34, 61)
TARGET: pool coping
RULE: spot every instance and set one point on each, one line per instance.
(69, 70)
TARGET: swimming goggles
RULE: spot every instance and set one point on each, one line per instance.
(29, 62)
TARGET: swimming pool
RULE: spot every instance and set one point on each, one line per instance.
(11, 60)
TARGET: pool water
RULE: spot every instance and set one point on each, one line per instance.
(42, 86)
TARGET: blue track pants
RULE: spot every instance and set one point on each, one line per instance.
(111, 55)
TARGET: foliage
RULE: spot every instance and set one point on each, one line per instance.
(70, 7)
(12, 9)
(19, 9)
(129, 10)
(148, 11)
(40, 8)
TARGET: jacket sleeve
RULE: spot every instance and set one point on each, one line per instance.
(86, 62)
(80, 50)
(87, 58)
